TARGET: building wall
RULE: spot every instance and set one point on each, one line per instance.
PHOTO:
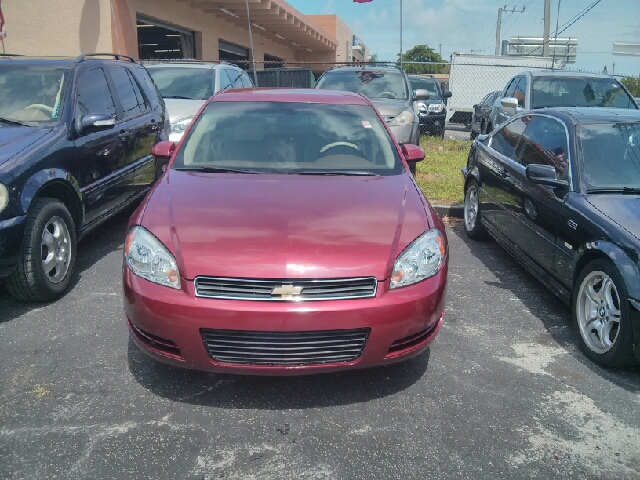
(333, 25)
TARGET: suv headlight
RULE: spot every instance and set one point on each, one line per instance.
(422, 108)
(181, 125)
(423, 258)
(148, 258)
(436, 107)
(4, 196)
(405, 118)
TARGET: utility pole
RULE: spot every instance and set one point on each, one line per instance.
(500, 10)
(547, 26)
(400, 34)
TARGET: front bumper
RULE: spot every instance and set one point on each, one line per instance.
(11, 236)
(406, 133)
(167, 323)
(432, 122)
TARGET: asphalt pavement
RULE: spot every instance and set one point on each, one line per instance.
(503, 392)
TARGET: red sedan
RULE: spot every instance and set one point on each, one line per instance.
(286, 237)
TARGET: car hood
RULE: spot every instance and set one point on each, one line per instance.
(390, 108)
(285, 226)
(621, 209)
(14, 139)
(179, 108)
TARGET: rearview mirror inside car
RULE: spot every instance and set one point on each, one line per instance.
(412, 153)
(422, 94)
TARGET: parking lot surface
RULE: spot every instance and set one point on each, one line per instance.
(503, 392)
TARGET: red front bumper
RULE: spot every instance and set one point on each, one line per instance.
(167, 323)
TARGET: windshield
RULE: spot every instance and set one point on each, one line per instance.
(611, 155)
(426, 84)
(579, 92)
(186, 83)
(31, 94)
(374, 84)
(273, 137)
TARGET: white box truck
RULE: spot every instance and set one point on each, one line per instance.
(473, 76)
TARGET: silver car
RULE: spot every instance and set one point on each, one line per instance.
(186, 86)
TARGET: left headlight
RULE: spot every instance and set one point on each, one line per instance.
(148, 258)
(405, 118)
(181, 125)
(423, 258)
(4, 196)
(436, 107)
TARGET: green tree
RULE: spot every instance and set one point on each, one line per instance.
(633, 85)
(422, 53)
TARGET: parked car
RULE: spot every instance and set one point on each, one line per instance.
(75, 148)
(389, 90)
(286, 237)
(560, 189)
(186, 86)
(552, 88)
(432, 112)
(481, 111)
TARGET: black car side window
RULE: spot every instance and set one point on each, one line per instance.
(512, 87)
(225, 81)
(507, 139)
(520, 91)
(94, 95)
(545, 143)
(131, 98)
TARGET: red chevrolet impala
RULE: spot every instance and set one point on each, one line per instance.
(286, 237)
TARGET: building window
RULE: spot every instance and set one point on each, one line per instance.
(158, 40)
(273, 62)
(232, 53)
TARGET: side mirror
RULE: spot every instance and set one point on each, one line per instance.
(509, 102)
(95, 122)
(544, 175)
(447, 94)
(412, 153)
(421, 94)
(163, 149)
(476, 106)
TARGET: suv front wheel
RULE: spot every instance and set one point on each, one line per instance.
(48, 253)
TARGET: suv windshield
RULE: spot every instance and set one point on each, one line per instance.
(579, 92)
(31, 94)
(375, 84)
(426, 84)
(611, 155)
(186, 83)
(291, 138)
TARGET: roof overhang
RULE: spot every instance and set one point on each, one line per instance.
(275, 19)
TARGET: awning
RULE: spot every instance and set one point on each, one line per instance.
(274, 19)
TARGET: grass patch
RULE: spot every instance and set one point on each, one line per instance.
(439, 174)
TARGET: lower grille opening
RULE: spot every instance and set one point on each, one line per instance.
(410, 342)
(285, 348)
(167, 347)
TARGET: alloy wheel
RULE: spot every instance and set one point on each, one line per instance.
(55, 247)
(471, 207)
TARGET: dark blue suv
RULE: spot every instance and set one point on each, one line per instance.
(75, 148)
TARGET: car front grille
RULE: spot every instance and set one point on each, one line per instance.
(285, 348)
(285, 290)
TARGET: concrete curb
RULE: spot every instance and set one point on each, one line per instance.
(455, 211)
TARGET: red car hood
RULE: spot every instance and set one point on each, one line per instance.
(285, 226)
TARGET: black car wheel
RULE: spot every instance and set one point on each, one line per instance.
(602, 315)
(472, 224)
(48, 253)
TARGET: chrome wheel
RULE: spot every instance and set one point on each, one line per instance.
(471, 207)
(598, 312)
(55, 248)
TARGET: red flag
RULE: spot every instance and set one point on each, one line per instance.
(3, 31)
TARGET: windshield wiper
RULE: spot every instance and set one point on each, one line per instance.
(214, 170)
(179, 97)
(14, 122)
(357, 173)
(625, 190)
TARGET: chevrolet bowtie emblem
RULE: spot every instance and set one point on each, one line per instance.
(286, 292)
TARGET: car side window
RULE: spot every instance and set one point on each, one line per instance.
(246, 81)
(520, 91)
(128, 91)
(225, 81)
(511, 88)
(94, 95)
(507, 139)
(236, 78)
(545, 143)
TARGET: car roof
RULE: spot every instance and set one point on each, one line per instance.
(367, 68)
(46, 61)
(202, 65)
(291, 95)
(564, 73)
(584, 115)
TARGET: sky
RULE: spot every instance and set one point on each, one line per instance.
(466, 25)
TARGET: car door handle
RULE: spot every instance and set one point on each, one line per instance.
(503, 172)
(124, 135)
(155, 128)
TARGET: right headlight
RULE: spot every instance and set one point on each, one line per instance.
(423, 258)
(405, 118)
(181, 125)
(148, 258)
(4, 196)
(436, 107)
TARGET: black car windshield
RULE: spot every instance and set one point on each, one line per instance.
(30, 94)
(375, 84)
(426, 84)
(579, 92)
(185, 83)
(611, 155)
(290, 138)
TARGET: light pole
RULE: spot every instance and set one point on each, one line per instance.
(400, 34)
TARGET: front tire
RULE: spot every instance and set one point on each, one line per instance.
(472, 223)
(48, 254)
(602, 315)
